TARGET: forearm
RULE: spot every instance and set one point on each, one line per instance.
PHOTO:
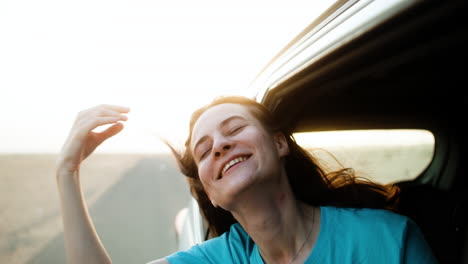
(82, 244)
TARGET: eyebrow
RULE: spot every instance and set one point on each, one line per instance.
(223, 123)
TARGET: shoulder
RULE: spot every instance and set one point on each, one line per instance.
(372, 234)
(366, 217)
(374, 226)
(234, 246)
(368, 225)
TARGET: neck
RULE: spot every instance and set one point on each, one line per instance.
(278, 223)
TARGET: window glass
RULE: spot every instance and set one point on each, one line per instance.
(383, 156)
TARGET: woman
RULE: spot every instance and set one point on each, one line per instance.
(265, 199)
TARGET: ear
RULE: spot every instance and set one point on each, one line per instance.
(281, 144)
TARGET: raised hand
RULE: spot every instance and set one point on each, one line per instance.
(82, 141)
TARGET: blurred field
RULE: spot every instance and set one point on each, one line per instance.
(133, 199)
(379, 163)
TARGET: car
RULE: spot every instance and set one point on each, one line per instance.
(390, 70)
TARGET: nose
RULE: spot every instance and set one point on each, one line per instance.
(222, 147)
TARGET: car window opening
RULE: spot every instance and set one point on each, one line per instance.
(383, 156)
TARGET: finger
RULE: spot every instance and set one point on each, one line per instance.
(103, 108)
(117, 108)
(84, 117)
(103, 112)
(110, 132)
(91, 123)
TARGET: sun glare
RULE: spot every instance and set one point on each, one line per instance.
(362, 138)
(160, 58)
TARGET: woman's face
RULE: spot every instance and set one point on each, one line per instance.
(234, 152)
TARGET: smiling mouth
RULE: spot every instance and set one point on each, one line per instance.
(232, 163)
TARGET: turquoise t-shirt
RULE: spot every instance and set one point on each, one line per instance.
(346, 235)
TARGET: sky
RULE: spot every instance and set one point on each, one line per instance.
(163, 59)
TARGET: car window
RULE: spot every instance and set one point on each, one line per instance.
(383, 156)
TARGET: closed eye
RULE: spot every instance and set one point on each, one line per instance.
(236, 130)
(204, 154)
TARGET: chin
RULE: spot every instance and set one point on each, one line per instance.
(234, 188)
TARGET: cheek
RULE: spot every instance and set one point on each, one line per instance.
(204, 172)
(255, 138)
(265, 143)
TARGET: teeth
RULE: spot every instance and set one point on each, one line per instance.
(231, 163)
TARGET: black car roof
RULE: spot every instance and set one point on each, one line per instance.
(404, 73)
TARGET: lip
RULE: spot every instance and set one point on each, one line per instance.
(219, 176)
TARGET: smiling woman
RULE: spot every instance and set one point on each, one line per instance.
(274, 202)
